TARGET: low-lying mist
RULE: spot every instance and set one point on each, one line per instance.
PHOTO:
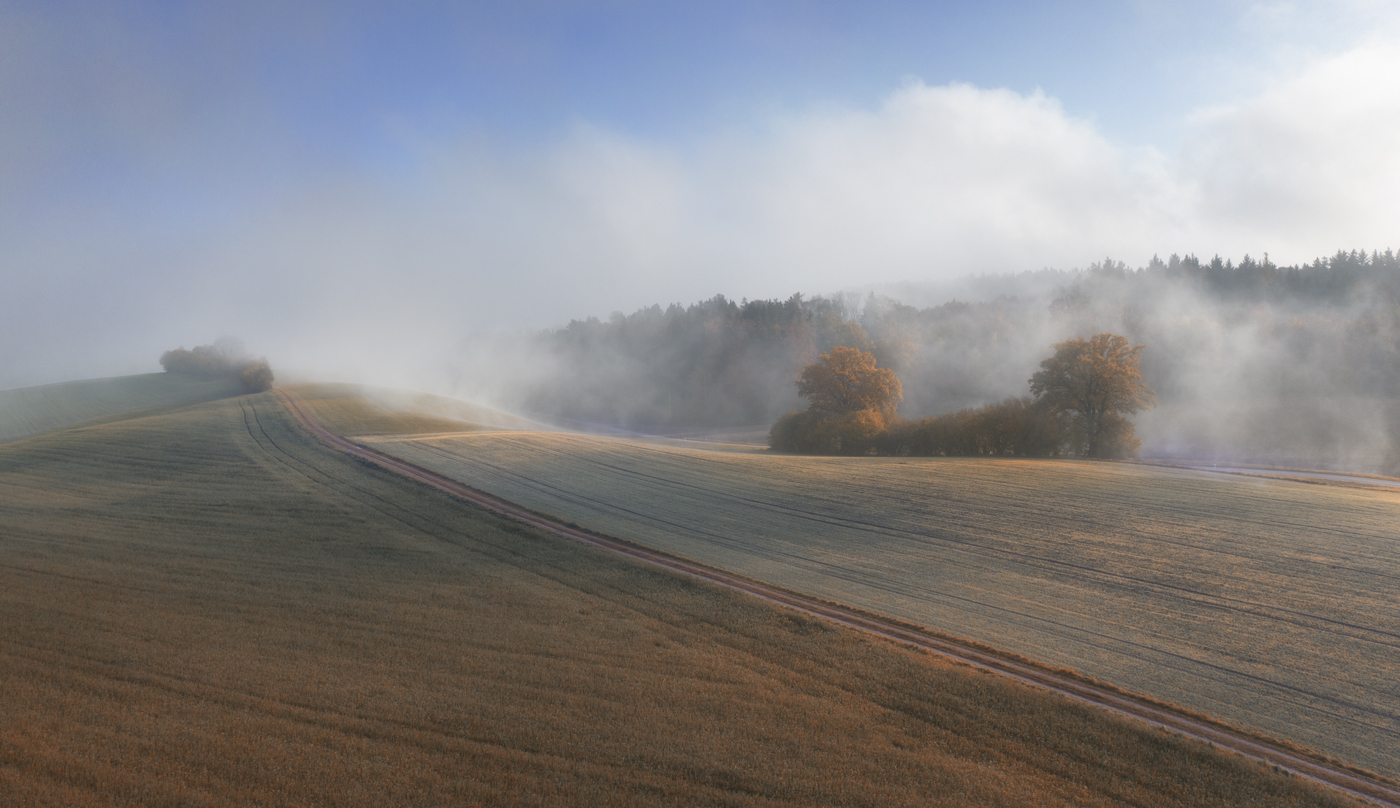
(1251, 362)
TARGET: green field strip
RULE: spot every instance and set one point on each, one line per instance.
(1273, 605)
(30, 411)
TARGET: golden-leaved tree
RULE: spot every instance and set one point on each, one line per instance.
(846, 380)
(852, 404)
(1097, 383)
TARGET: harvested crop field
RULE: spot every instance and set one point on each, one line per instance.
(1274, 605)
(209, 607)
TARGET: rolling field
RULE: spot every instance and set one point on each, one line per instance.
(347, 409)
(207, 607)
(30, 411)
(1273, 605)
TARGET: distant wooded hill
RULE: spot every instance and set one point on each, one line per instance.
(1249, 360)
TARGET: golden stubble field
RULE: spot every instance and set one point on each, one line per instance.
(1273, 605)
(207, 607)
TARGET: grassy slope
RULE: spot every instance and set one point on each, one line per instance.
(354, 410)
(206, 607)
(30, 411)
(1270, 604)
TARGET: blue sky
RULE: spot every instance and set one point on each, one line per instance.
(285, 170)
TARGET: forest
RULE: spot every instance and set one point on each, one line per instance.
(1249, 360)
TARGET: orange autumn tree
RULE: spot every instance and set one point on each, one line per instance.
(1096, 382)
(852, 404)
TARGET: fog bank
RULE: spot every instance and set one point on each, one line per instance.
(1251, 362)
(374, 270)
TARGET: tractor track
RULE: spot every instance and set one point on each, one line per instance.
(1279, 754)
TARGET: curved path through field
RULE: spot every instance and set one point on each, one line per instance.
(1268, 750)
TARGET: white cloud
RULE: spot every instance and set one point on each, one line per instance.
(934, 181)
(1308, 167)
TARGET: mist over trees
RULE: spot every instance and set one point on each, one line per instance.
(225, 359)
(715, 363)
(1251, 362)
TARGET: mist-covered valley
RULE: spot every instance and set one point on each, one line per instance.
(1251, 362)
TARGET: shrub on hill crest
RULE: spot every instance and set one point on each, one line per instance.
(222, 360)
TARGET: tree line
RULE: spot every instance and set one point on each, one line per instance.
(1079, 406)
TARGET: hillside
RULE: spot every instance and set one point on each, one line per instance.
(349, 409)
(206, 606)
(30, 411)
(1268, 603)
